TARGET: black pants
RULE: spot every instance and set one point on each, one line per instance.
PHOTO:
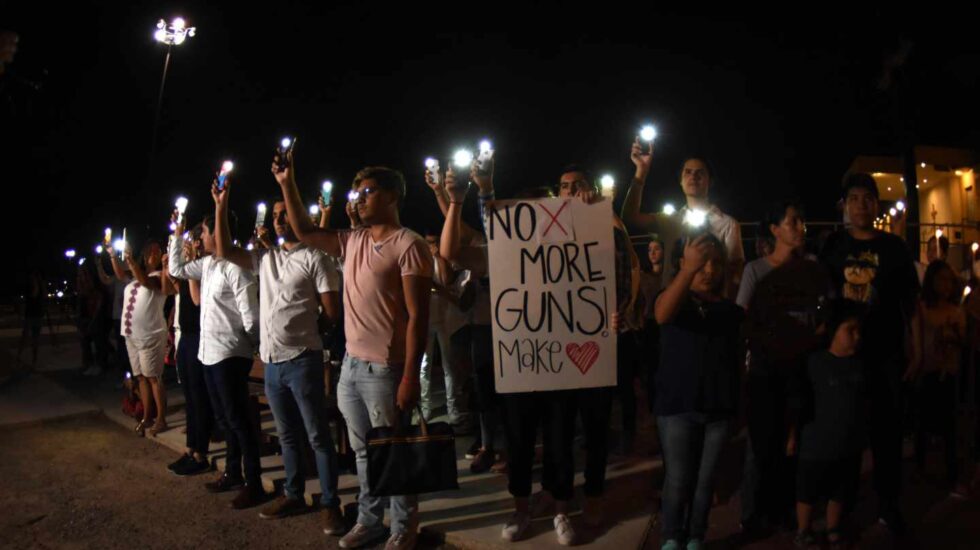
(479, 340)
(594, 406)
(227, 383)
(98, 339)
(120, 356)
(768, 423)
(886, 429)
(554, 411)
(649, 358)
(197, 402)
(627, 346)
(935, 413)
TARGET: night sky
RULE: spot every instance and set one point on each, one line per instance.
(779, 102)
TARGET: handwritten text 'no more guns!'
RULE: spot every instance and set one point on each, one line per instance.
(552, 288)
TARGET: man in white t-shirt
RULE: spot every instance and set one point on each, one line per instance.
(695, 180)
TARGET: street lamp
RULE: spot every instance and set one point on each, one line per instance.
(174, 34)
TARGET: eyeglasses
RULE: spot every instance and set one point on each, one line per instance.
(363, 194)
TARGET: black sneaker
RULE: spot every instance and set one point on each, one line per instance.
(193, 467)
(224, 483)
(182, 461)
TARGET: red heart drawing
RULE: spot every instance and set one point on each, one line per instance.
(583, 356)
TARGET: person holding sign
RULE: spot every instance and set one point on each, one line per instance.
(697, 384)
(595, 404)
(696, 177)
(523, 412)
(387, 281)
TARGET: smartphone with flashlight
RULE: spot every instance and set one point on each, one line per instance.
(484, 158)
(226, 168)
(325, 191)
(432, 166)
(282, 152)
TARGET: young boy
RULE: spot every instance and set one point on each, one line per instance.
(833, 439)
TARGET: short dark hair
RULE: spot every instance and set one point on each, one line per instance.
(232, 223)
(775, 215)
(678, 251)
(576, 167)
(386, 178)
(859, 180)
(539, 192)
(197, 230)
(840, 311)
(707, 167)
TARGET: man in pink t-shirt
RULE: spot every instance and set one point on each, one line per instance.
(387, 280)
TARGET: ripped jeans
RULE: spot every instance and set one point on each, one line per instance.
(366, 396)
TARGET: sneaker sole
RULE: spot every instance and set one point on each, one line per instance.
(335, 532)
(283, 515)
(224, 489)
(193, 473)
(518, 536)
(366, 542)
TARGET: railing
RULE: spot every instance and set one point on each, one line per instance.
(961, 237)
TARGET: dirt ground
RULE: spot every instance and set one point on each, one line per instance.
(88, 483)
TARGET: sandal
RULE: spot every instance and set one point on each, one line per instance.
(157, 428)
(140, 428)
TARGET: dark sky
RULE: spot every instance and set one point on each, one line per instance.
(779, 102)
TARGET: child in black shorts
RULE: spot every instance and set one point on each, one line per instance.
(833, 439)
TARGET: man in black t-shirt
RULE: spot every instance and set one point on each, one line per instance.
(875, 268)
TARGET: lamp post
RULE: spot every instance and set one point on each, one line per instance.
(174, 34)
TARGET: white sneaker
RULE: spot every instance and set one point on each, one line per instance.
(515, 527)
(401, 541)
(360, 535)
(563, 528)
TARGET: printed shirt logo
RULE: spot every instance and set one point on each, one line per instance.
(859, 272)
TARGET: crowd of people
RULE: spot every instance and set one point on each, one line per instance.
(819, 353)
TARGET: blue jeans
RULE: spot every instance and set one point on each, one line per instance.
(366, 396)
(456, 405)
(692, 443)
(296, 396)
